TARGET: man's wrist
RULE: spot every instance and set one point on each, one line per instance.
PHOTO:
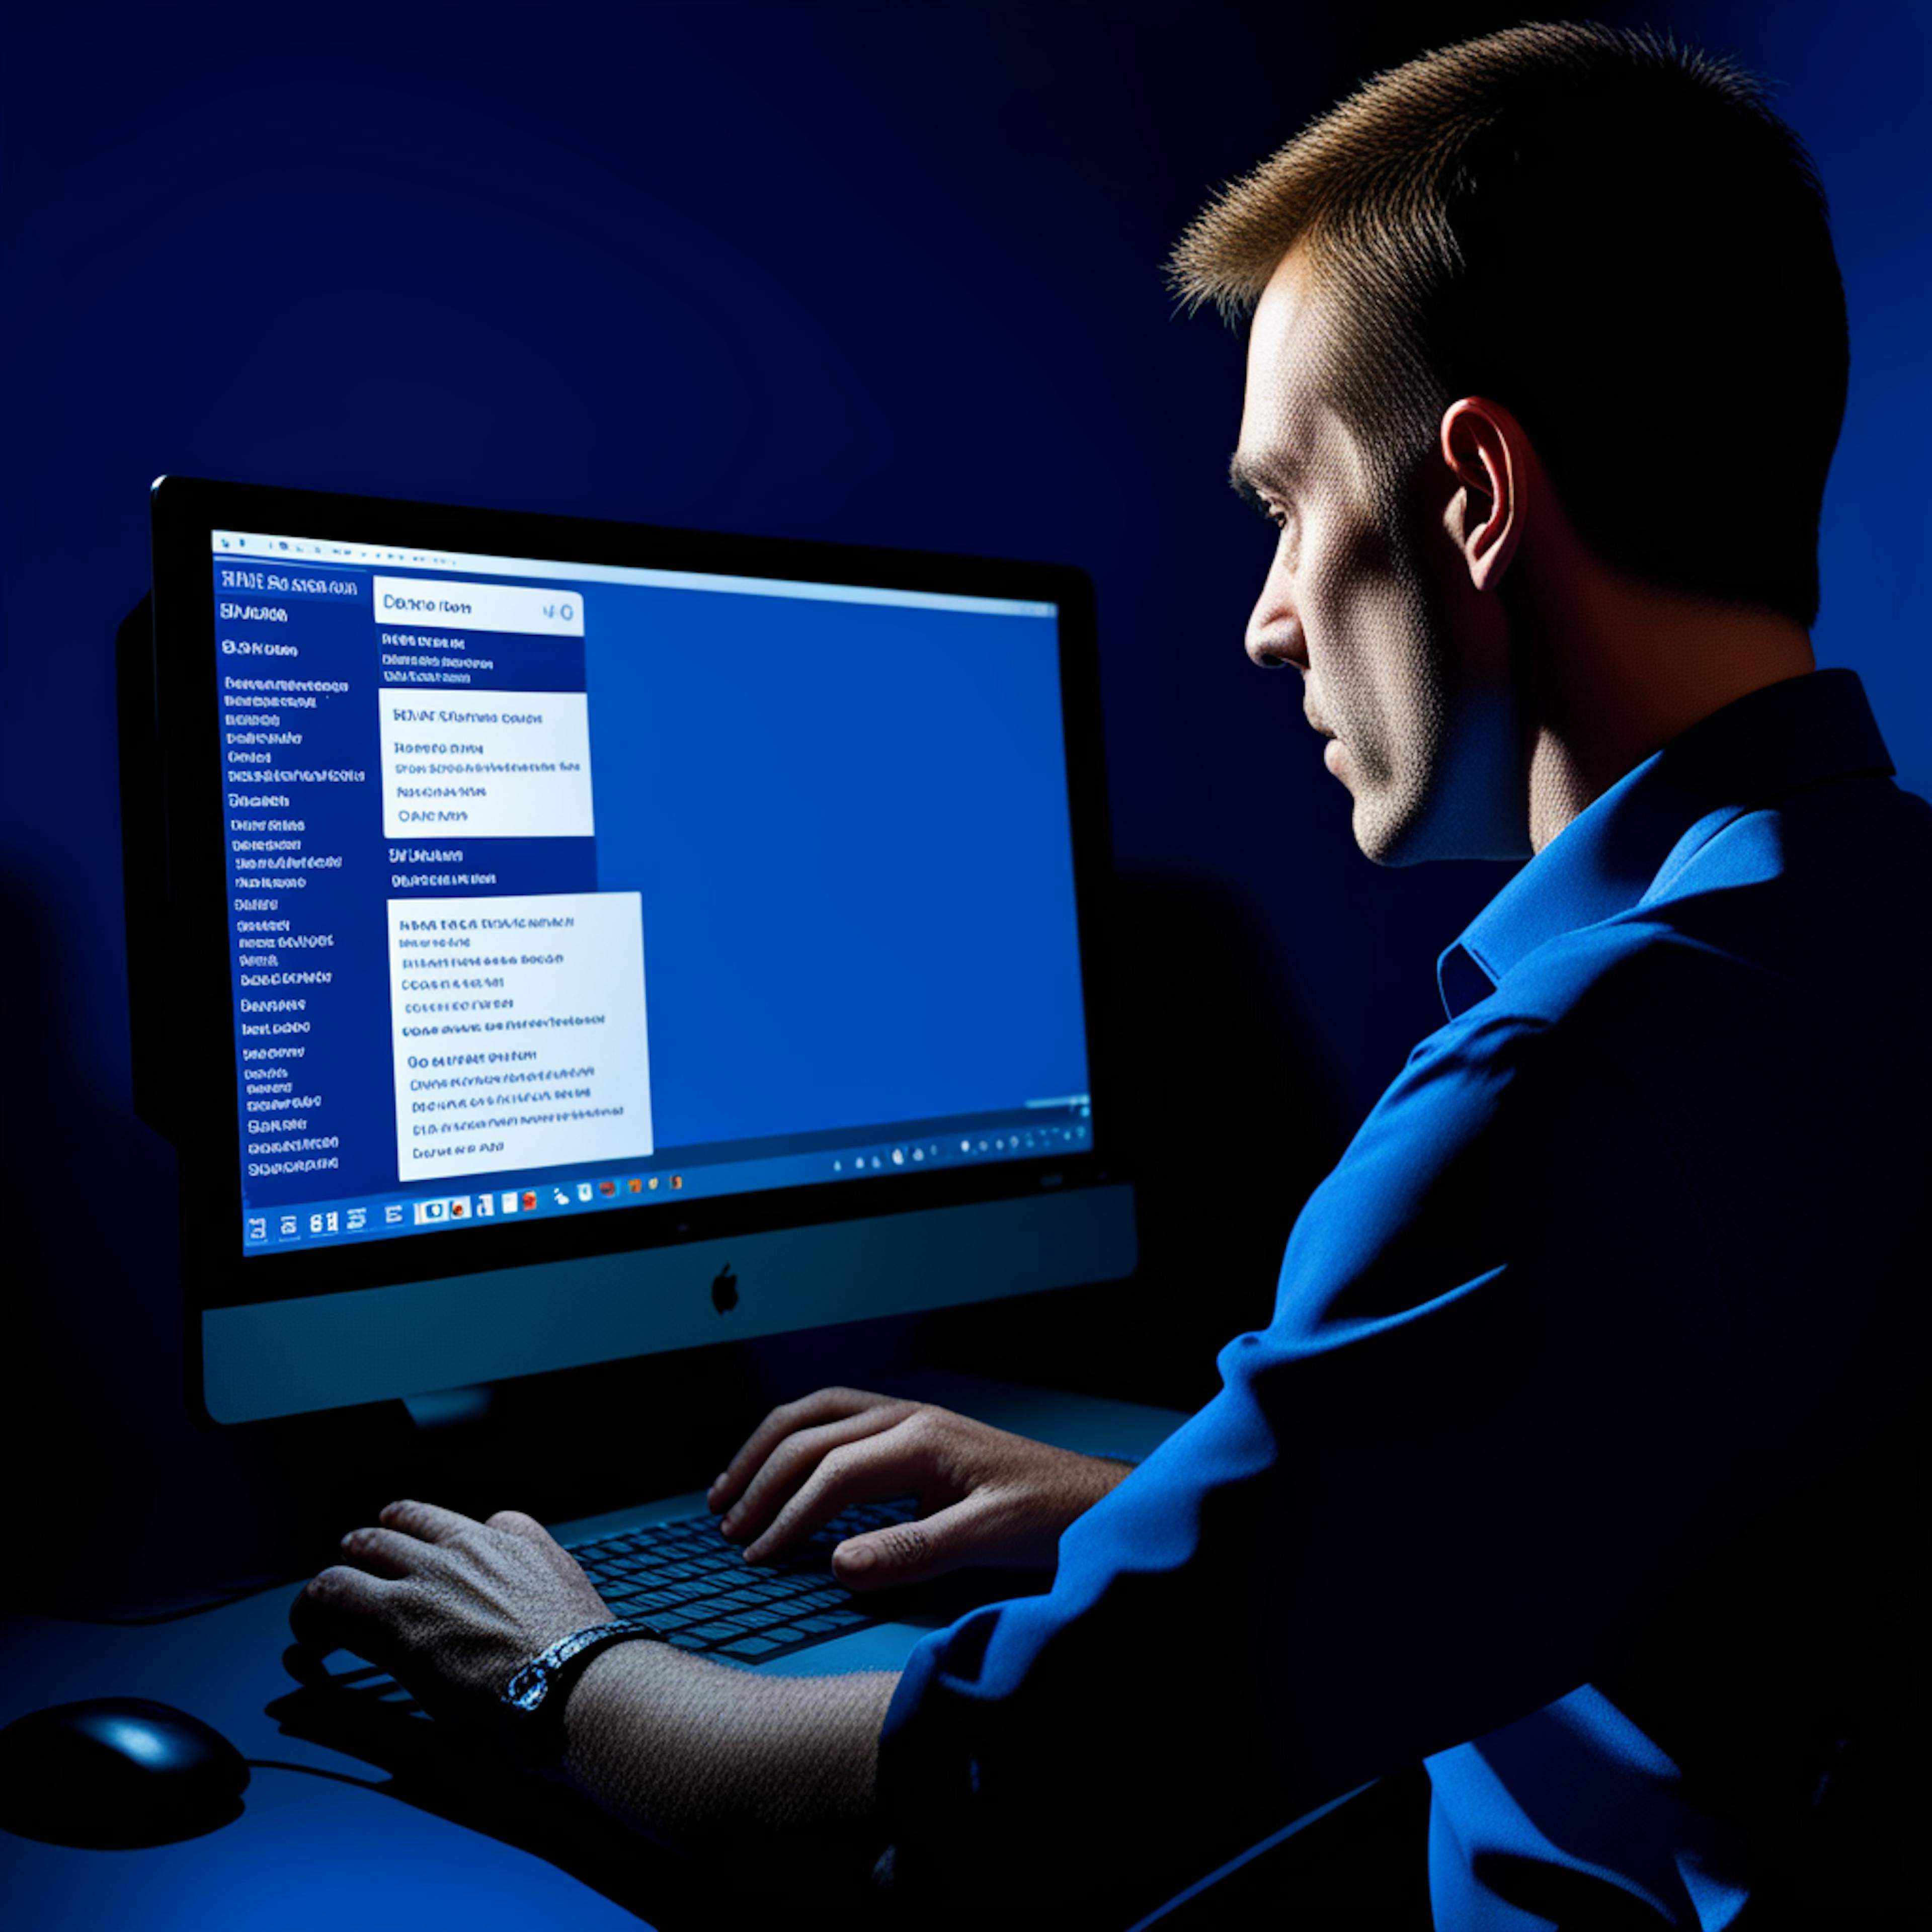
(534, 1699)
(707, 1760)
(612, 1673)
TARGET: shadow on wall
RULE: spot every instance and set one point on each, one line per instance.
(90, 1299)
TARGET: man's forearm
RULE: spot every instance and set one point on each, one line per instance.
(699, 1756)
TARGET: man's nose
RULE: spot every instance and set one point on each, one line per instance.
(1274, 639)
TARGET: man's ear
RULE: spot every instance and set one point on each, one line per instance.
(1486, 451)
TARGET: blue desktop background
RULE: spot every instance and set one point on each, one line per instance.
(848, 823)
(888, 274)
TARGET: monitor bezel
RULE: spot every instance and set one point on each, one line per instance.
(197, 992)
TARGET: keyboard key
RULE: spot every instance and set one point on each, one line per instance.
(682, 1581)
(664, 1621)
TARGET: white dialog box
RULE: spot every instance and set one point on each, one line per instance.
(485, 764)
(518, 1032)
(435, 604)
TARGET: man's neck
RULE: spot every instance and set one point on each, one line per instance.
(1625, 668)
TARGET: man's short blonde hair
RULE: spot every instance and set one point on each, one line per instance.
(1613, 236)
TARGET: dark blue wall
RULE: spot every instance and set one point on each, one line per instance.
(887, 274)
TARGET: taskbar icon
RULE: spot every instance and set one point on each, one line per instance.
(263, 1229)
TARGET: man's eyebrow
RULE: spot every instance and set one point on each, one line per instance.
(1250, 478)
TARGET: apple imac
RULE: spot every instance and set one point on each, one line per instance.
(555, 941)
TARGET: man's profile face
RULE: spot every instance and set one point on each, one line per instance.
(1403, 662)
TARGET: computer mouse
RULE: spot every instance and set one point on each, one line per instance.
(117, 1772)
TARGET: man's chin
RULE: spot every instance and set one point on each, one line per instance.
(1377, 846)
(1380, 834)
(1391, 835)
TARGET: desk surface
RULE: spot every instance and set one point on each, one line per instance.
(369, 1832)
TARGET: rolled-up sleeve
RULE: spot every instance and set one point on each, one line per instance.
(1488, 1415)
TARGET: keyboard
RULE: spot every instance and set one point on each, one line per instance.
(681, 1580)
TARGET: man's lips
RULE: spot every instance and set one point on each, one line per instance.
(1332, 750)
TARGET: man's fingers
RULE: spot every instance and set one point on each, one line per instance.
(907, 1552)
(339, 1609)
(823, 1406)
(886, 1464)
(426, 1522)
(385, 1553)
(791, 1464)
(517, 1524)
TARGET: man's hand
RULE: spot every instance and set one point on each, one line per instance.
(695, 1755)
(987, 1497)
(451, 1607)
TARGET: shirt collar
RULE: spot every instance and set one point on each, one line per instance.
(1804, 731)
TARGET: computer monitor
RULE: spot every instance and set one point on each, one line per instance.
(554, 941)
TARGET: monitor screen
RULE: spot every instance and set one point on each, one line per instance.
(615, 892)
(559, 891)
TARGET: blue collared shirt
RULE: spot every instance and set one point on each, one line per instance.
(1523, 1477)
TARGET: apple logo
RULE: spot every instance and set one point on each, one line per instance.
(725, 1290)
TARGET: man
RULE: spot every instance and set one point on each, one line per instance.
(1560, 1461)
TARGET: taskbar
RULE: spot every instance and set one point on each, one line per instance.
(382, 1217)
